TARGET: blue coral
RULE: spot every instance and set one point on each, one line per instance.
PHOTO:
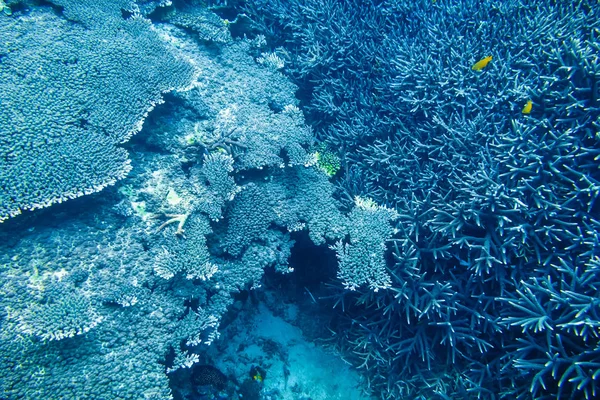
(496, 207)
(71, 97)
(362, 259)
(473, 268)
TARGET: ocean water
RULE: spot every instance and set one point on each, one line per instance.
(299, 200)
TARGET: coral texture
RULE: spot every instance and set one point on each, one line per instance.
(477, 122)
(112, 295)
(72, 95)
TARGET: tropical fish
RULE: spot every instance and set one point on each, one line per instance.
(481, 64)
(258, 374)
(528, 107)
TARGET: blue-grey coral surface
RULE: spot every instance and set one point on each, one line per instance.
(72, 93)
(477, 121)
(463, 218)
(109, 303)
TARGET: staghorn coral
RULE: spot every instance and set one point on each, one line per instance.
(488, 283)
(496, 206)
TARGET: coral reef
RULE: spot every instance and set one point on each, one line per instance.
(72, 95)
(455, 177)
(362, 260)
(111, 295)
(477, 122)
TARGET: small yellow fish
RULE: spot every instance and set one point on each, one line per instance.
(528, 107)
(481, 64)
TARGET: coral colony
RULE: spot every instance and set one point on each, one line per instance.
(445, 153)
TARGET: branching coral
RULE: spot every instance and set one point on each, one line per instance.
(495, 205)
(362, 260)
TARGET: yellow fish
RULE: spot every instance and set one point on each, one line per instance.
(528, 107)
(481, 64)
